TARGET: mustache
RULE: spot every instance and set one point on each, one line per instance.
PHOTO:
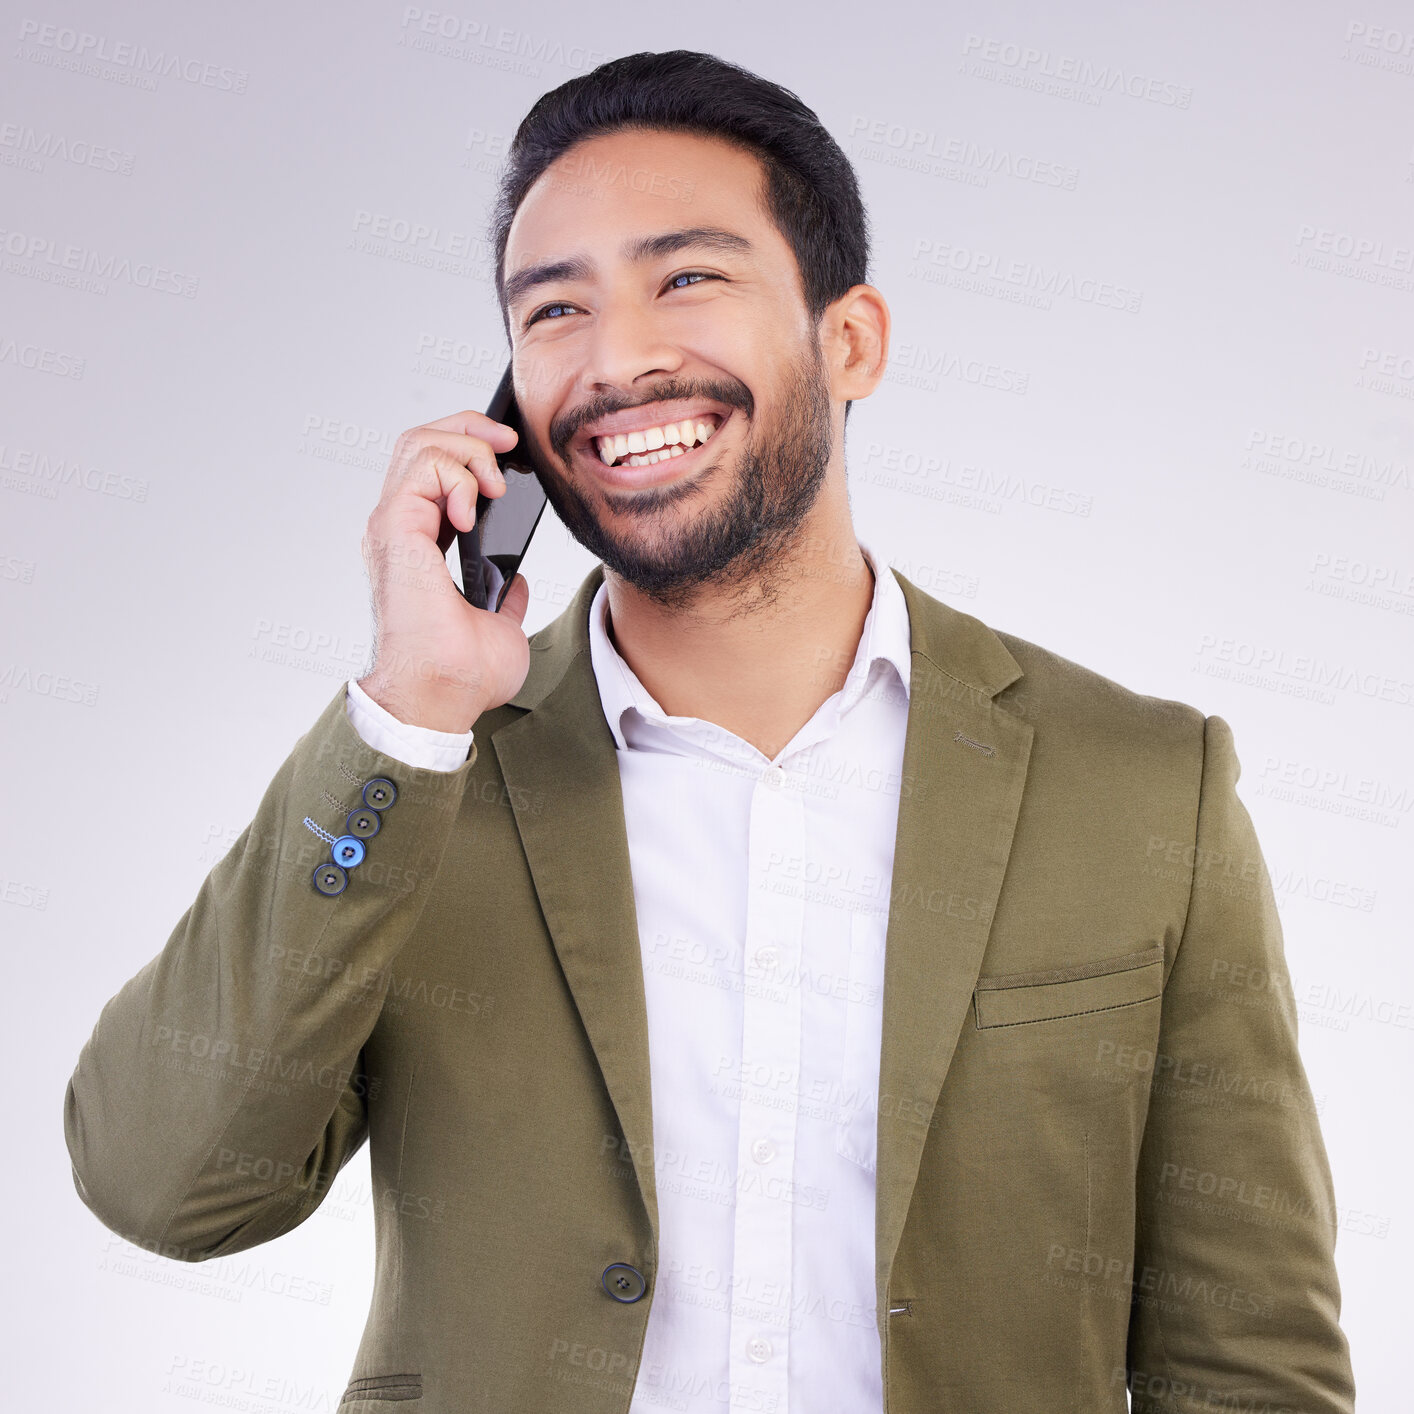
(564, 428)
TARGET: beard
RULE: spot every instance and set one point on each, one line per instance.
(743, 539)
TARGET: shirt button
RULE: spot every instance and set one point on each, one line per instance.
(763, 1151)
(758, 1348)
(774, 778)
(767, 958)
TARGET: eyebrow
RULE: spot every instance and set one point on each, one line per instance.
(635, 249)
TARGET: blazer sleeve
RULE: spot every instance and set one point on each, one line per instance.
(225, 1085)
(1236, 1301)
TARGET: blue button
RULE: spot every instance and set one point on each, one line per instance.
(347, 851)
(623, 1282)
(379, 793)
(329, 879)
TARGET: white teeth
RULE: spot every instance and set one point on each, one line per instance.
(651, 458)
(652, 444)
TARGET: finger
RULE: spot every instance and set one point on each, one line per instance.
(472, 452)
(500, 435)
(516, 602)
(440, 474)
(441, 492)
(459, 510)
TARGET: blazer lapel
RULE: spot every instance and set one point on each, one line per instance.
(964, 769)
(561, 752)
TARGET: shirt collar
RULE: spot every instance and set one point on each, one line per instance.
(884, 649)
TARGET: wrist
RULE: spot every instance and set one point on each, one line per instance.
(418, 704)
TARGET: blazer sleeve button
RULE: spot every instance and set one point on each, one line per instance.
(363, 823)
(379, 793)
(330, 879)
(623, 1282)
(347, 852)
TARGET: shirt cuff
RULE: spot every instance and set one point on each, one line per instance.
(413, 746)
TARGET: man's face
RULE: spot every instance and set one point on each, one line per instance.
(649, 295)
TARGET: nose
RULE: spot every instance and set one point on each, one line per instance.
(626, 346)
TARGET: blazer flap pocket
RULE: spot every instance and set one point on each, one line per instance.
(1070, 991)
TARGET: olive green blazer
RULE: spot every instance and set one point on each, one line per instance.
(1099, 1161)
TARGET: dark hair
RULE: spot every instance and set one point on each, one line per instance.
(811, 192)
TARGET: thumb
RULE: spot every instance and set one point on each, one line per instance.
(516, 602)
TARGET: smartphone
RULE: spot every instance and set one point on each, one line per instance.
(504, 526)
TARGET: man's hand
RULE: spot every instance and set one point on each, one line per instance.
(439, 662)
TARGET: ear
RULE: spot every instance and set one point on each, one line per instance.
(854, 342)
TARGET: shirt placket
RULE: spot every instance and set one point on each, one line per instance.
(770, 1085)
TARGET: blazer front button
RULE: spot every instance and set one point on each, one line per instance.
(379, 793)
(623, 1282)
(330, 879)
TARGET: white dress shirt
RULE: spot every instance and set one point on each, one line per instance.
(762, 892)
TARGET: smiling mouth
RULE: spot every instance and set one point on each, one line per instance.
(651, 454)
(650, 445)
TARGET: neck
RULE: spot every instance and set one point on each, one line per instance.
(756, 658)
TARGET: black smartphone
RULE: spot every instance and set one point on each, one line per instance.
(504, 526)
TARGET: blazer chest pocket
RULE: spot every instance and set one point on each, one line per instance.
(1019, 998)
(382, 1387)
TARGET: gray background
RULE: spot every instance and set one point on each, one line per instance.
(1188, 466)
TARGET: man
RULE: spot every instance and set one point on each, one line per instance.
(767, 987)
